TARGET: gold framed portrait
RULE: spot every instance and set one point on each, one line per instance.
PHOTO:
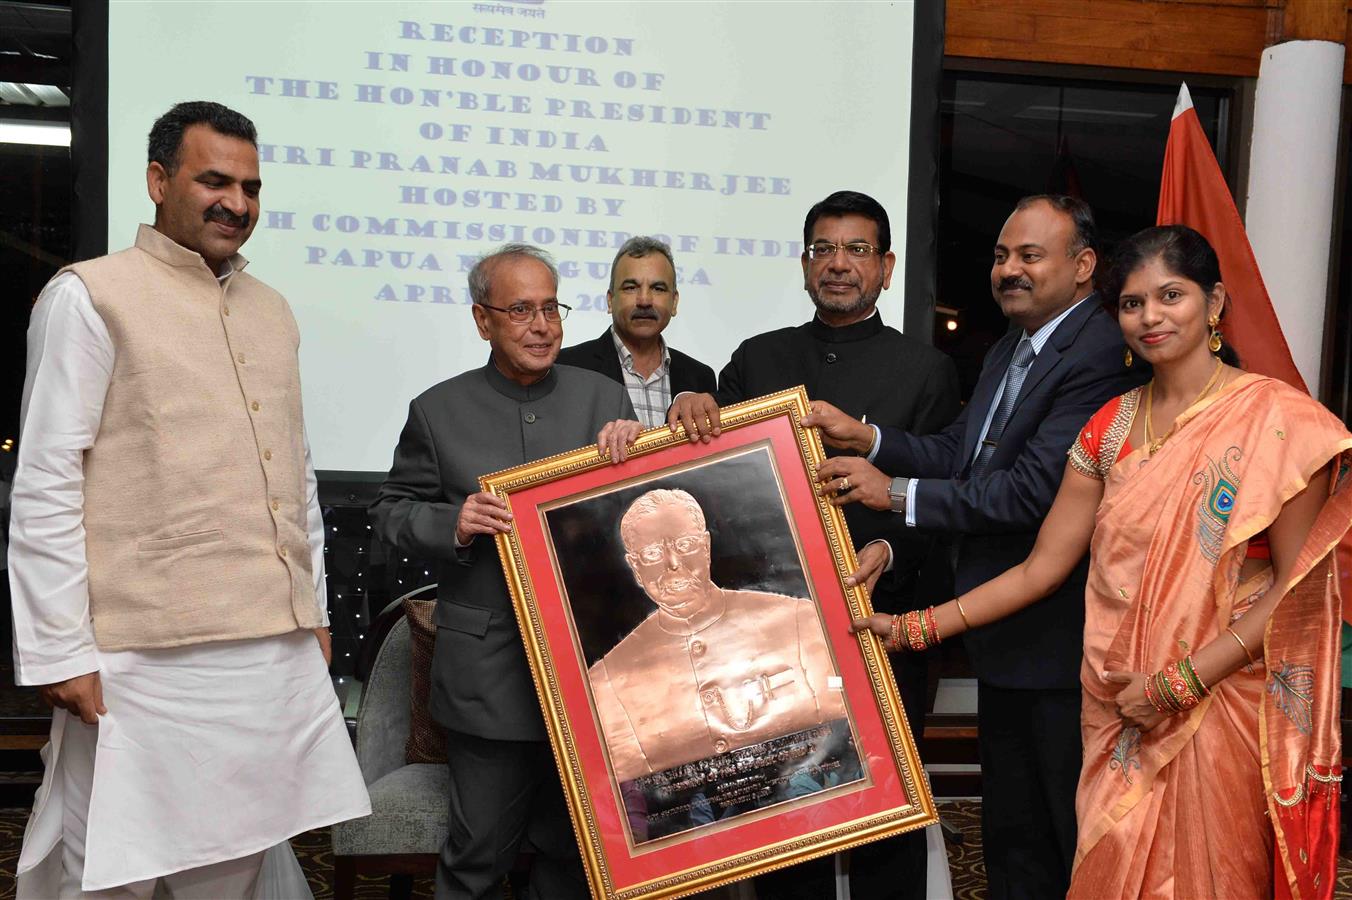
(688, 629)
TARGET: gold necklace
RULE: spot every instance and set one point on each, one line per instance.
(1152, 443)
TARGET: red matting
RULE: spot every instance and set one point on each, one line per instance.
(884, 788)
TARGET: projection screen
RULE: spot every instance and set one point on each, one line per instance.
(400, 140)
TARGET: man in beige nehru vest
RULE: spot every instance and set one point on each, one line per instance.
(166, 555)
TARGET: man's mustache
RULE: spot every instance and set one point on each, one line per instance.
(218, 213)
(1014, 282)
(644, 312)
(680, 579)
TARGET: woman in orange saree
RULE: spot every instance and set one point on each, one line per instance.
(1211, 501)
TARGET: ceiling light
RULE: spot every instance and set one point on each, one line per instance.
(22, 94)
(47, 134)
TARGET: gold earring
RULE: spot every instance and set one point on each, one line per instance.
(1126, 357)
(1214, 343)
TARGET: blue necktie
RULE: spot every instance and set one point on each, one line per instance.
(1018, 371)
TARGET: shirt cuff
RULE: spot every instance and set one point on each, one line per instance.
(33, 675)
(877, 442)
(887, 567)
(912, 486)
(462, 551)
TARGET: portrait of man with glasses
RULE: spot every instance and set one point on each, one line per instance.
(737, 667)
(708, 665)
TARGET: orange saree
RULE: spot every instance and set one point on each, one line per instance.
(1239, 796)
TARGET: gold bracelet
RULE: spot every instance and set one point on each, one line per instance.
(958, 602)
(1243, 646)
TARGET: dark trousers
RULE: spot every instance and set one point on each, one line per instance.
(504, 792)
(890, 869)
(1030, 764)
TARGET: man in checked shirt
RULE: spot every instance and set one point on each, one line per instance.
(642, 299)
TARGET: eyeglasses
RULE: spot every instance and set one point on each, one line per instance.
(853, 250)
(684, 545)
(521, 313)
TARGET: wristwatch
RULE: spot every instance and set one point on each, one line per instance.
(896, 491)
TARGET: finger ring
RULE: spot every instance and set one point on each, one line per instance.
(845, 485)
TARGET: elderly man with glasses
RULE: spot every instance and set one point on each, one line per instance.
(846, 356)
(518, 408)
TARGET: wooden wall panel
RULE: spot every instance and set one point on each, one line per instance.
(1220, 37)
(1314, 20)
(1347, 47)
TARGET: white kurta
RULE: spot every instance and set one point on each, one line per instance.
(207, 753)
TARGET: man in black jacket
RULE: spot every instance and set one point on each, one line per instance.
(988, 480)
(642, 299)
(846, 356)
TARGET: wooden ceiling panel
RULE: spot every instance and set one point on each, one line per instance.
(1223, 37)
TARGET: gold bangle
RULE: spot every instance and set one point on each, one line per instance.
(966, 623)
(1243, 646)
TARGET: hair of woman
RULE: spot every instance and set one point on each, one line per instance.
(1182, 250)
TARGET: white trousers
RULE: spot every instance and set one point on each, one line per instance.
(234, 879)
(273, 874)
(207, 753)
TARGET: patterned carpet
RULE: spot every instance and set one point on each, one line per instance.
(964, 860)
(969, 876)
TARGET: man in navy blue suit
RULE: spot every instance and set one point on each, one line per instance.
(988, 480)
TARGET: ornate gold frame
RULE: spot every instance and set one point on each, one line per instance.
(579, 793)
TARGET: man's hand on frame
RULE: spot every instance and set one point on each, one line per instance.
(482, 513)
(698, 413)
(851, 479)
(872, 559)
(838, 429)
(616, 438)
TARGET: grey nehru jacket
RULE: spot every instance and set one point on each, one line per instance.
(471, 425)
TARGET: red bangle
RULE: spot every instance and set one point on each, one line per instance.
(919, 629)
(935, 639)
